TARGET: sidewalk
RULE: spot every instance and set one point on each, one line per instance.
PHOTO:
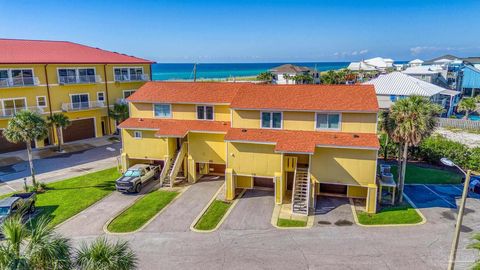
(53, 176)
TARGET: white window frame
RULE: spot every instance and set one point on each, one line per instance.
(153, 110)
(131, 90)
(10, 77)
(329, 113)
(77, 73)
(128, 71)
(103, 94)
(45, 98)
(271, 119)
(6, 99)
(205, 112)
(137, 134)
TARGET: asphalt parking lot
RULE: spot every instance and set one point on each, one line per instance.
(444, 196)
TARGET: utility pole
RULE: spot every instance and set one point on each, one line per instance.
(195, 72)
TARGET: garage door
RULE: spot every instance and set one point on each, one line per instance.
(333, 189)
(263, 182)
(79, 130)
(6, 146)
(217, 168)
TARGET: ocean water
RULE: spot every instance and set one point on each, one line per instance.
(163, 72)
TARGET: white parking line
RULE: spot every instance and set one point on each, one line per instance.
(457, 187)
(454, 205)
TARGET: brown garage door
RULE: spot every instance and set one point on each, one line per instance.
(79, 130)
(263, 182)
(217, 168)
(6, 146)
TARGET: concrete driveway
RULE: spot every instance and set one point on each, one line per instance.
(91, 221)
(333, 211)
(252, 212)
(178, 216)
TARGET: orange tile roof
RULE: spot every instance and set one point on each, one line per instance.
(186, 92)
(303, 141)
(261, 96)
(22, 51)
(307, 97)
(173, 127)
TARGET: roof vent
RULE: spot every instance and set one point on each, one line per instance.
(244, 130)
(356, 136)
(140, 119)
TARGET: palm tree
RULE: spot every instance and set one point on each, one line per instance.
(475, 245)
(119, 112)
(467, 105)
(410, 121)
(106, 256)
(287, 77)
(382, 127)
(59, 121)
(26, 126)
(38, 247)
(266, 76)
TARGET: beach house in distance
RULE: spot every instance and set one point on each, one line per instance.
(299, 141)
(291, 71)
(60, 76)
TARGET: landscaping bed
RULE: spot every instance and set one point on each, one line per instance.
(144, 209)
(291, 223)
(213, 215)
(388, 215)
(417, 174)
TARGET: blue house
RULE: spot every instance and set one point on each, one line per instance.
(469, 81)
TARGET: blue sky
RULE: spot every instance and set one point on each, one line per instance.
(253, 31)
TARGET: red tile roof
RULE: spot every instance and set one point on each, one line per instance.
(271, 97)
(186, 92)
(173, 127)
(303, 141)
(307, 97)
(19, 51)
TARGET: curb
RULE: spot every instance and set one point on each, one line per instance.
(354, 213)
(195, 221)
(276, 214)
(105, 227)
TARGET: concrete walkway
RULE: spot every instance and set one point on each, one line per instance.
(178, 216)
(90, 222)
(252, 212)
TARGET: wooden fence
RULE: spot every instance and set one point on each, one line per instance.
(458, 123)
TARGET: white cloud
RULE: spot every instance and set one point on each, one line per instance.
(352, 53)
(364, 51)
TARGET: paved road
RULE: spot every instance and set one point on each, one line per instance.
(91, 221)
(21, 170)
(178, 216)
(252, 212)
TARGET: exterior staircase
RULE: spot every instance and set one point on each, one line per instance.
(165, 180)
(301, 192)
(172, 167)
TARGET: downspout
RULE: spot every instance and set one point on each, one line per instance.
(106, 97)
(48, 95)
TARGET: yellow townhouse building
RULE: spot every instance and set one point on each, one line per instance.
(300, 141)
(59, 76)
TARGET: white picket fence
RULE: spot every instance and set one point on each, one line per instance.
(458, 123)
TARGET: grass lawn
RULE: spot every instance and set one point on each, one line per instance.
(141, 211)
(422, 175)
(213, 215)
(68, 197)
(291, 223)
(401, 214)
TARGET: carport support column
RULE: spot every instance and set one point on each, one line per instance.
(371, 205)
(229, 184)
(192, 172)
(278, 180)
(124, 162)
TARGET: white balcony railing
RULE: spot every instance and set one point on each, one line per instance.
(131, 78)
(80, 106)
(9, 112)
(79, 79)
(19, 82)
(121, 101)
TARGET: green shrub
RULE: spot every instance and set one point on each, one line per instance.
(474, 159)
(392, 150)
(435, 147)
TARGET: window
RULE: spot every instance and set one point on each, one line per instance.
(22, 76)
(79, 101)
(42, 101)
(76, 75)
(328, 121)
(204, 112)
(127, 93)
(137, 134)
(128, 74)
(67, 75)
(101, 96)
(162, 110)
(12, 106)
(271, 120)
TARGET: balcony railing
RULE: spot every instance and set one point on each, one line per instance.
(9, 112)
(131, 78)
(79, 79)
(80, 106)
(19, 82)
(121, 101)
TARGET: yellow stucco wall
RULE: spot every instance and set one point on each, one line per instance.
(357, 191)
(344, 166)
(253, 159)
(245, 119)
(207, 148)
(299, 121)
(359, 122)
(148, 147)
(244, 181)
(179, 111)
